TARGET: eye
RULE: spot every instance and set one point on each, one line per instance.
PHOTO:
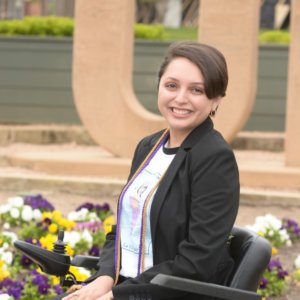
(197, 90)
(171, 85)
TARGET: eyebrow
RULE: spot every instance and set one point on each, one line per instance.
(175, 79)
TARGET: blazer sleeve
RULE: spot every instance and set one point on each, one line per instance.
(214, 200)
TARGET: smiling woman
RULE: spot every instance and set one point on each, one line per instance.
(177, 210)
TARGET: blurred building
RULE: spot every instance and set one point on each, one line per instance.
(275, 14)
(17, 9)
(171, 13)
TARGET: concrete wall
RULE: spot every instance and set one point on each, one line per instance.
(35, 82)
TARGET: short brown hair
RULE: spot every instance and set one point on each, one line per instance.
(208, 59)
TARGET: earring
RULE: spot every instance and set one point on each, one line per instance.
(213, 112)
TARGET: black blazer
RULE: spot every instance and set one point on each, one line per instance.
(192, 214)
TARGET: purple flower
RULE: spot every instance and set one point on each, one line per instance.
(292, 227)
(88, 205)
(43, 288)
(263, 283)
(104, 207)
(58, 290)
(281, 274)
(37, 201)
(94, 251)
(40, 279)
(34, 272)
(26, 261)
(33, 241)
(5, 283)
(274, 263)
(15, 290)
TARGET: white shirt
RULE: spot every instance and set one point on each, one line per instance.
(132, 210)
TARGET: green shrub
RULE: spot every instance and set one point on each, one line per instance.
(38, 26)
(274, 37)
(63, 26)
(149, 32)
(182, 33)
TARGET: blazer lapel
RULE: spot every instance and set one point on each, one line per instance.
(160, 195)
(163, 188)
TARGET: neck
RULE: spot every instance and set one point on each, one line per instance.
(176, 138)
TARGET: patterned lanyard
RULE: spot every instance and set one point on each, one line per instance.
(145, 163)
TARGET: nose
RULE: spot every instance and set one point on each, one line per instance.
(181, 96)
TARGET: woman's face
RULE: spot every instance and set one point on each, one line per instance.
(181, 97)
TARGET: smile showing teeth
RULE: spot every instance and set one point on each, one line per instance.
(181, 111)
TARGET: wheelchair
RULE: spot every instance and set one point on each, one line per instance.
(251, 254)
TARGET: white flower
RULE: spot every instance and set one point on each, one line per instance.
(5, 297)
(4, 208)
(284, 236)
(262, 223)
(4, 247)
(14, 213)
(80, 215)
(36, 214)
(6, 226)
(297, 262)
(27, 213)
(11, 235)
(16, 201)
(7, 257)
(93, 217)
(72, 216)
(273, 222)
(87, 236)
(72, 238)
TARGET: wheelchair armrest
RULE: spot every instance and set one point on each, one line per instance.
(203, 288)
(88, 262)
(50, 262)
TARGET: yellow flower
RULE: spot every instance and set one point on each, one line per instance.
(55, 280)
(66, 224)
(47, 241)
(52, 228)
(69, 250)
(3, 272)
(260, 233)
(56, 214)
(47, 214)
(80, 274)
(274, 251)
(107, 224)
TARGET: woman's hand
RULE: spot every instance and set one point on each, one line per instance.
(97, 288)
(107, 296)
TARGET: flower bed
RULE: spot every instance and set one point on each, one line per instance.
(35, 220)
(280, 233)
